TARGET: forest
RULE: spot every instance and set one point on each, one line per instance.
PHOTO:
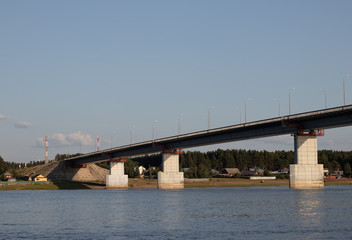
(199, 164)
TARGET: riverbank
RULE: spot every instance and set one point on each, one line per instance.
(228, 182)
(152, 183)
(54, 186)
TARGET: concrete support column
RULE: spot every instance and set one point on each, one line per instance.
(117, 177)
(306, 173)
(170, 177)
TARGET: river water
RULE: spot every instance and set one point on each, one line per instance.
(203, 213)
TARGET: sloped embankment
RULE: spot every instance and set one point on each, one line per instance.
(61, 171)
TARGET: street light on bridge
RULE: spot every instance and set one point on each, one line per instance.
(179, 124)
(245, 109)
(212, 107)
(240, 114)
(131, 134)
(289, 101)
(344, 89)
(325, 97)
(278, 101)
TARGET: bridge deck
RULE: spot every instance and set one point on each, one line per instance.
(326, 118)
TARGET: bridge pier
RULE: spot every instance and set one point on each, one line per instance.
(170, 177)
(306, 173)
(117, 177)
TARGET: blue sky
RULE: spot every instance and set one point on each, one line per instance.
(75, 70)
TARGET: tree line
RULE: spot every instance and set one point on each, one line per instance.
(200, 164)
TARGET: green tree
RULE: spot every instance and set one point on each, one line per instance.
(130, 167)
(229, 159)
(105, 165)
(2, 177)
(215, 163)
(237, 175)
(3, 166)
(189, 160)
(347, 170)
(335, 165)
(267, 173)
(203, 171)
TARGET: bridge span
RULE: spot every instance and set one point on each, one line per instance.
(305, 127)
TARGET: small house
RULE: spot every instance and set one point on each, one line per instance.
(258, 171)
(230, 171)
(8, 175)
(11, 179)
(249, 173)
(214, 172)
(39, 178)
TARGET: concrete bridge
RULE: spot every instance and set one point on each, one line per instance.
(305, 127)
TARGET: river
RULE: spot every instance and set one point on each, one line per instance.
(198, 213)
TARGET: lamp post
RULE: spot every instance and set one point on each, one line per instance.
(179, 124)
(289, 101)
(212, 107)
(240, 114)
(154, 135)
(325, 98)
(245, 109)
(344, 93)
(112, 138)
(278, 106)
(113, 135)
(153, 127)
(131, 134)
(344, 89)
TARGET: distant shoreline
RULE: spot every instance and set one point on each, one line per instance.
(152, 183)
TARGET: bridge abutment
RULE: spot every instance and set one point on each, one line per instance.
(170, 177)
(306, 173)
(117, 177)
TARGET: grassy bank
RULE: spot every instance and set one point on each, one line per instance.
(238, 182)
(337, 183)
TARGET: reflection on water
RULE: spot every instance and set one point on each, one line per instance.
(310, 211)
(309, 203)
(214, 213)
(171, 202)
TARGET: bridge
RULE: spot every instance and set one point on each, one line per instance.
(305, 127)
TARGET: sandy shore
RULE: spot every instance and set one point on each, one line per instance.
(152, 183)
(219, 182)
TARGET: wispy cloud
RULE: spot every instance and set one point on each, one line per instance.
(3, 117)
(22, 124)
(17, 124)
(72, 139)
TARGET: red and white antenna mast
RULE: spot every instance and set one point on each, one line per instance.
(98, 143)
(46, 150)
